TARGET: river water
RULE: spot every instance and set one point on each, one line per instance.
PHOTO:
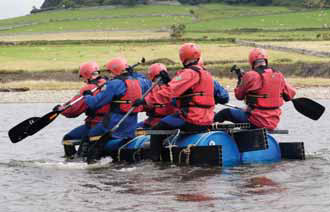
(35, 177)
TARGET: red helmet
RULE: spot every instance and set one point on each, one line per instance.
(155, 69)
(86, 70)
(117, 66)
(189, 51)
(256, 54)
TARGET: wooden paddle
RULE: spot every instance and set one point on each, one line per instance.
(32, 125)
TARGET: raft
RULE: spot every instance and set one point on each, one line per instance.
(217, 147)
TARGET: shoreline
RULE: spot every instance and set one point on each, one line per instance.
(61, 96)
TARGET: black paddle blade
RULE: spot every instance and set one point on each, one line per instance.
(43, 122)
(308, 107)
(21, 131)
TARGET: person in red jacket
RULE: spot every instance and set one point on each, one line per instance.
(264, 91)
(89, 72)
(193, 90)
(156, 112)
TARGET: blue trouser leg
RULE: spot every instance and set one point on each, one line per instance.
(232, 115)
(75, 134)
(142, 125)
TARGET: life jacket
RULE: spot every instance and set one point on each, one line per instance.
(160, 110)
(96, 117)
(133, 92)
(268, 97)
(200, 95)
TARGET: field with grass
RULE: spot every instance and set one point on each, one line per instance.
(58, 41)
(68, 57)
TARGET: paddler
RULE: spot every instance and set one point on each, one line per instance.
(263, 89)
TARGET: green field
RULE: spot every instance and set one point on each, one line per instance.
(68, 57)
(61, 40)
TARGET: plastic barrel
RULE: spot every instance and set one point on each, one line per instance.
(230, 153)
(270, 155)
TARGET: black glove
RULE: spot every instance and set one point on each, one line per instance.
(239, 72)
(286, 97)
(139, 102)
(164, 77)
(87, 92)
(56, 108)
(90, 112)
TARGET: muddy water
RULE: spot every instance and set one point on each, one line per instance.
(34, 177)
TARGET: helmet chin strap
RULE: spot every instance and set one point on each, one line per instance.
(188, 63)
(259, 63)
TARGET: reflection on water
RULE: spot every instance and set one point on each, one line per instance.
(35, 177)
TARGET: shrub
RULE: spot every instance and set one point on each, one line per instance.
(177, 30)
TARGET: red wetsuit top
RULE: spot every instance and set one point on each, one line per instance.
(80, 107)
(194, 91)
(264, 92)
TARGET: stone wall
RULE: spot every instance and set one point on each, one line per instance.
(283, 48)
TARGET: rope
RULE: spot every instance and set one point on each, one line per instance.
(171, 143)
(123, 146)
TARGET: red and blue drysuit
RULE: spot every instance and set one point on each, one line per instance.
(193, 90)
(157, 112)
(113, 90)
(263, 90)
(91, 118)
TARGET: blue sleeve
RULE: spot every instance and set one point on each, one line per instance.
(221, 95)
(144, 81)
(111, 89)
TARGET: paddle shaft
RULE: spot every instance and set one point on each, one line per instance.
(304, 106)
(66, 106)
(233, 106)
(132, 108)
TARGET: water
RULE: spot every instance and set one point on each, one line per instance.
(34, 176)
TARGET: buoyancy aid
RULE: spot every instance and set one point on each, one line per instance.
(160, 110)
(200, 95)
(269, 96)
(133, 92)
(97, 116)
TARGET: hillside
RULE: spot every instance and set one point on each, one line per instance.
(51, 45)
(290, 3)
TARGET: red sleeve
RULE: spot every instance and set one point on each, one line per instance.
(176, 87)
(288, 91)
(251, 81)
(76, 109)
(87, 87)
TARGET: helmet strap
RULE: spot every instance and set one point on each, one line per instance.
(189, 63)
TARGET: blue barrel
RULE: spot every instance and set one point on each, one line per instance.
(113, 144)
(230, 153)
(137, 142)
(270, 155)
